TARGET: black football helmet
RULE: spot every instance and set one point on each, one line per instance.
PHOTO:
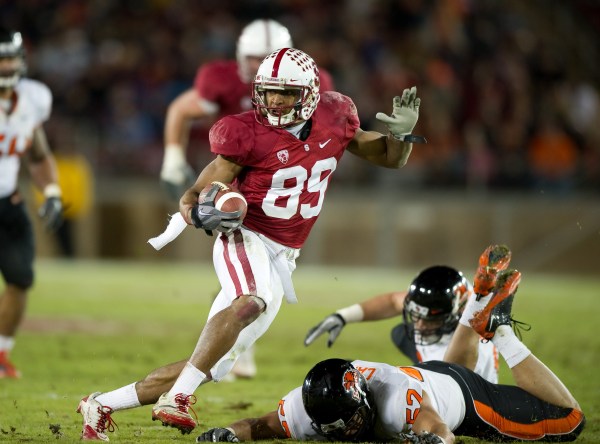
(436, 296)
(11, 46)
(338, 401)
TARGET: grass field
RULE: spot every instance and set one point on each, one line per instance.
(95, 326)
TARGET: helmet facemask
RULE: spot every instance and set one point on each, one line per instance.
(280, 116)
(354, 429)
(427, 329)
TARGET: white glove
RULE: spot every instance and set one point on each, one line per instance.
(404, 115)
(175, 174)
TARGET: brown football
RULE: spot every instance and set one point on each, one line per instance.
(228, 198)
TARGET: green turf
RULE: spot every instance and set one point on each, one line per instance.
(95, 326)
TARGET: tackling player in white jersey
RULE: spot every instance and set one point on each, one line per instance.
(430, 308)
(24, 106)
(431, 402)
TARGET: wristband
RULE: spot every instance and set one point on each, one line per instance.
(174, 154)
(52, 190)
(410, 138)
(353, 313)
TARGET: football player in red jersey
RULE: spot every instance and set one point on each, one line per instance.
(221, 88)
(281, 157)
(25, 104)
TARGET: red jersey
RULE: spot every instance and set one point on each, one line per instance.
(285, 179)
(219, 82)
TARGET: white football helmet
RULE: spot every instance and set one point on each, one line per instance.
(291, 70)
(258, 39)
(11, 47)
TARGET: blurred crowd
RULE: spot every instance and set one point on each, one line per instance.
(510, 89)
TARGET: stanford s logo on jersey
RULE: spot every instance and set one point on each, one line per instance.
(283, 156)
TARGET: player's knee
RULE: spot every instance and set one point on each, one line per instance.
(17, 290)
(249, 307)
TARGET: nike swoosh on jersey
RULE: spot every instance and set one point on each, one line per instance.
(322, 144)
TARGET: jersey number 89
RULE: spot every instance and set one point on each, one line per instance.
(317, 183)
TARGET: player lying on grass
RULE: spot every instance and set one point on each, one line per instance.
(431, 402)
(431, 309)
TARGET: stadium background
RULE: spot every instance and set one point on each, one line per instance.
(511, 109)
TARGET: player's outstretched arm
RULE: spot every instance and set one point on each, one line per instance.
(393, 150)
(250, 429)
(383, 306)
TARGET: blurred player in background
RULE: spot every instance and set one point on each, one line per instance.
(431, 402)
(221, 88)
(430, 309)
(281, 157)
(25, 105)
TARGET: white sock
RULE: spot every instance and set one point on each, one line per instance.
(510, 347)
(188, 381)
(472, 307)
(121, 398)
(6, 343)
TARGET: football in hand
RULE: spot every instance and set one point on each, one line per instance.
(228, 198)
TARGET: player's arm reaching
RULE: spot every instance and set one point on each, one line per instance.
(42, 168)
(384, 306)
(250, 429)
(176, 173)
(393, 150)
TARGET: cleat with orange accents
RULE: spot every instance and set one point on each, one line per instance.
(172, 411)
(498, 310)
(96, 419)
(494, 259)
(7, 368)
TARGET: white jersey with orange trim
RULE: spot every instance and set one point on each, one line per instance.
(487, 361)
(29, 107)
(398, 392)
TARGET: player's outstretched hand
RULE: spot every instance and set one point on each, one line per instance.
(332, 324)
(405, 113)
(218, 435)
